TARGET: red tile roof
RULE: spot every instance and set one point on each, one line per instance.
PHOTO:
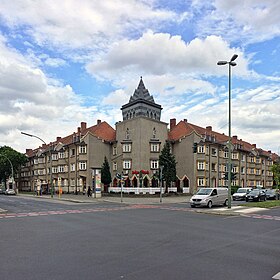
(101, 130)
(184, 128)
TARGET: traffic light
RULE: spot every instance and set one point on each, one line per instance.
(226, 176)
(233, 176)
(194, 148)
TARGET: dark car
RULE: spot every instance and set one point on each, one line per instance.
(256, 195)
(270, 194)
(2, 191)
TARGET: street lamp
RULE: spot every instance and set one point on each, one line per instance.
(31, 135)
(230, 64)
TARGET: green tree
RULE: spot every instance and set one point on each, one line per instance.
(167, 160)
(8, 157)
(106, 177)
(275, 168)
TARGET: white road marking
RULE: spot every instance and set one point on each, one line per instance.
(276, 276)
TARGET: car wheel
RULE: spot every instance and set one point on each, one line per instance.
(259, 199)
(192, 206)
(246, 199)
(209, 205)
(226, 203)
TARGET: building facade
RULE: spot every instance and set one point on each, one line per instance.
(133, 150)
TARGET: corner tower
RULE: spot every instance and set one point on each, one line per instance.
(141, 103)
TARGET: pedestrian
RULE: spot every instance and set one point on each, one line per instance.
(88, 191)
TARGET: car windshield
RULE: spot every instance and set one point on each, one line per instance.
(270, 191)
(241, 191)
(204, 192)
(255, 192)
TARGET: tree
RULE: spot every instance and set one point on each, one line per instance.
(10, 162)
(106, 177)
(275, 168)
(167, 160)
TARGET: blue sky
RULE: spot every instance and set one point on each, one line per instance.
(64, 62)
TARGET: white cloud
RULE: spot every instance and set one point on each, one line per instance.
(160, 53)
(85, 24)
(244, 21)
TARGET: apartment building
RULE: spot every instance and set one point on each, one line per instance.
(133, 149)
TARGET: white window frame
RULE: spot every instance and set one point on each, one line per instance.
(82, 165)
(155, 147)
(126, 147)
(114, 151)
(200, 149)
(201, 165)
(83, 149)
(72, 167)
(200, 182)
(115, 166)
(126, 164)
(154, 164)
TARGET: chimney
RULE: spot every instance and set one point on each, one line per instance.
(269, 151)
(234, 137)
(83, 126)
(185, 120)
(98, 122)
(208, 128)
(172, 123)
(44, 146)
(58, 139)
(28, 151)
(254, 146)
(78, 130)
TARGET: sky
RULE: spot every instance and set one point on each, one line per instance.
(66, 62)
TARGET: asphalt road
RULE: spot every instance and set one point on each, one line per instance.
(64, 240)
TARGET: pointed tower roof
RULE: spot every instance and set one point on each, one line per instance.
(141, 103)
(141, 93)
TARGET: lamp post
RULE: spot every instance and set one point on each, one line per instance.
(230, 64)
(31, 135)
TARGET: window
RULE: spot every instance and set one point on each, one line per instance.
(200, 165)
(82, 149)
(114, 151)
(82, 165)
(72, 167)
(243, 170)
(154, 147)
(126, 148)
(234, 156)
(214, 152)
(154, 164)
(54, 157)
(225, 154)
(54, 169)
(60, 168)
(200, 149)
(258, 160)
(214, 167)
(41, 160)
(200, 182)
(35, 161)
(242, 157)
(61, 155)
(127, 164)
(115, 166)
(73, 152)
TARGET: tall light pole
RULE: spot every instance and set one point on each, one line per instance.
(31, 135)
(230, 64)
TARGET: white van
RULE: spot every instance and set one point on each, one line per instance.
(209, 197)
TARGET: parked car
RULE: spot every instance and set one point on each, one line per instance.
(256, 195)
(2, 191)
(271, 194)
(209, 197)
(10, 192)
(241, 193)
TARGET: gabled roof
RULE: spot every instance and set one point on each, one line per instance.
(101, 130)
(184, 128)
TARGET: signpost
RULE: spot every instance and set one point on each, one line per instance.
(96, 182)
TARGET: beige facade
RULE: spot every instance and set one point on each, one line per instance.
(133, 150)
